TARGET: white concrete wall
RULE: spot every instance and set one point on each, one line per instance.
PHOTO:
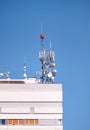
(39, 108)
(30, 116)
(31, 96)
(29, 87)
(15, 110)
(31, 127)
(31, 93)
(48, 122)
(49, 109)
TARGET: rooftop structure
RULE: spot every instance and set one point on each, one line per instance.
(47, 59)
(32, 103)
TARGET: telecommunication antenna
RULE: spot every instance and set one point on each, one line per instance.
(7, 73)
(24, 70)
(47, 59)
(41, 28)
(1, 75)
(42, 37)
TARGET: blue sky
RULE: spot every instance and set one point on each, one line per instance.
(67, 24)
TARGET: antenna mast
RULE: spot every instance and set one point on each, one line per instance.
(7, 73)
(47, 59)
(24, 70)
(42, 37)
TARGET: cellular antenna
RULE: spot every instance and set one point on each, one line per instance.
(1, 75)
(24, 69)
(7, 73)
(48, 63)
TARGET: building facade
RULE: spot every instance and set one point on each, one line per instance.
(28, 105)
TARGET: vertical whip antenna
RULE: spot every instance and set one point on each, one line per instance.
(24, 70)
(41, 28)
(42, 37)
(50, 45)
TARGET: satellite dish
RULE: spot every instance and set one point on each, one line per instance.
(52, 64)
(54, 72)
(49, 75)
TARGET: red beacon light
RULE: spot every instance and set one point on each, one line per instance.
(42, 36)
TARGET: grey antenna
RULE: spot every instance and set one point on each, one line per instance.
(47, 59)
(24, 70)
(7, 73)
(1, 75)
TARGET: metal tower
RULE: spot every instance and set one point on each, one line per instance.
(47, 59)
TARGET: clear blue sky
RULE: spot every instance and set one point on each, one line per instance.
(67, 24)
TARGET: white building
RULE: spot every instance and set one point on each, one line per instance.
(28, 105)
